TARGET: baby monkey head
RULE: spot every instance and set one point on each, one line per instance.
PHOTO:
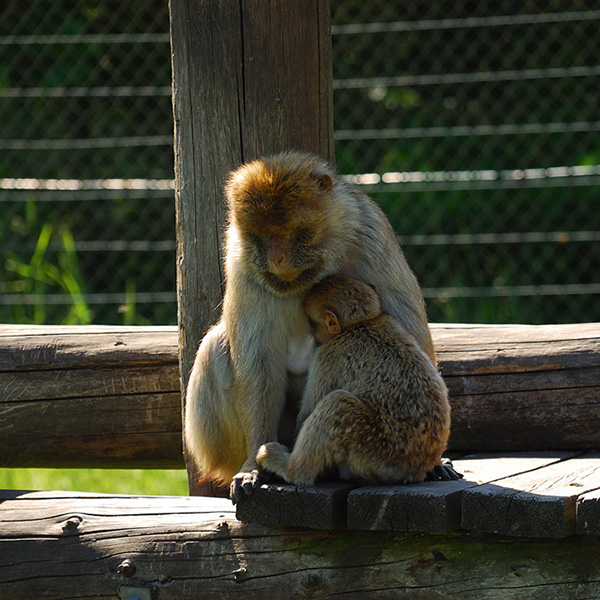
(278, 207)
(338, 302)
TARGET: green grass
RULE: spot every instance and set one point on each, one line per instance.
(108, 481)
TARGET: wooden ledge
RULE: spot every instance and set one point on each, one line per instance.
(111, 397)
(541, 494)
(70, 545)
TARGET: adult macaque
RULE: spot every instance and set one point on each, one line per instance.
(291, 222)
(375, 407)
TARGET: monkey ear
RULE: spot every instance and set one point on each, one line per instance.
(325, 182)
(332, 323)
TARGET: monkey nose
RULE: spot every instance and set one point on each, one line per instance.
(279, 261)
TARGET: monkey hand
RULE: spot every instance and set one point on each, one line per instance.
(443, 472)
(243, 484)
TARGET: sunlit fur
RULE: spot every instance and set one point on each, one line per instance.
(289, 202)
(374, 404)
(291, 222)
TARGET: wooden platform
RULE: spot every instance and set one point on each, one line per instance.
(68, 545)
(523, 524)
(535, 494)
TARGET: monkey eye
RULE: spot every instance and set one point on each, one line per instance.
(256, 240)
(303, 237)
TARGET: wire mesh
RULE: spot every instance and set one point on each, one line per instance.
(86, 145)
(474, 125)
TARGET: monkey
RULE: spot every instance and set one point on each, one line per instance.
(291, 221)
(374, 407)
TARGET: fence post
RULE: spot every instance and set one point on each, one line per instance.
(249, 78)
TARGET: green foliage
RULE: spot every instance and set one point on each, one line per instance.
(41, 275)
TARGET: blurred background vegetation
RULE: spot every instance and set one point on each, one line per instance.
(473, 124)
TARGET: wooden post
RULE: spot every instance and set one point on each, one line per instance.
(249, 78)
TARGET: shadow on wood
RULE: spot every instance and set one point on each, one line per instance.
(92, 546)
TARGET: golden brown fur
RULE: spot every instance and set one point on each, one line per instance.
(291, 222)
(374, 405)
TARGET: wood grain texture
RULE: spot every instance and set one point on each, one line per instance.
(76, 546)
(322, 506)
(89, 397)
(435, 506)
(520, 387)
(108, 395)
(539, 503)
(588, 513)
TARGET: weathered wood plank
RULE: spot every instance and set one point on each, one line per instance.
(89, 397)
(322, 506)
(540, 503)
(135, 431)
(435, 506)
(588, 513)
(527, 419)
(38, 348)
(493, 373)
(77, 547)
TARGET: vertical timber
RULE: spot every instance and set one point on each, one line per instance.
(250, 78)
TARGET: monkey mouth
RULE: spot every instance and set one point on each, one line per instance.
(287, 275)
(285, 286)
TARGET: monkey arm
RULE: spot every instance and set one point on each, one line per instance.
(259, 339)
(259, 398)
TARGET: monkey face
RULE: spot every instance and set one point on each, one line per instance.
(280, 213)
(285, 262)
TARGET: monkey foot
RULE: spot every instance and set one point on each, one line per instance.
(443, 472)
(243, 484)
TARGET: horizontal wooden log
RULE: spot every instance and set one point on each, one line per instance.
(522, 387)
(92, 546)
(89, 397)
(110, 396)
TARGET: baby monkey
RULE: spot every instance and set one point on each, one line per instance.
(375, 407)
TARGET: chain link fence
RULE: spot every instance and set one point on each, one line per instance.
(86, 189)
(474, 125)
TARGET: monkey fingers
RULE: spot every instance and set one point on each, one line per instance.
(443, 472)
(243, 484)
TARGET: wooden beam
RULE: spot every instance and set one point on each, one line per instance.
(94, 396)
(109, 396)
(522, 387)
(533, 494)
(322, 506)
(91, 546)
(249, 78)
(588, 513)
(541, 502)
(436, 507)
